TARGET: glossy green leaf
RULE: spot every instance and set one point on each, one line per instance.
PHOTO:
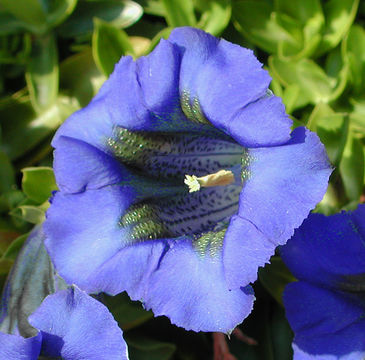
(30, 12)
(315, 86)
(274, 277)
(330, 204)
(108, 44)
(38, 183)
(89, 79)
(179, 12)
(339, 15)
(28, 213)
(121, 13)
(23, 129)
(38, 16)
(352, 168)
(354, 51)
(215, 15)
(152, 7)
(357, 116)
(257, 21)
(7, 174)
(143, 348)
(58, 10)
(298, 9)
(332, 128)
(42, 72)
(290, 97)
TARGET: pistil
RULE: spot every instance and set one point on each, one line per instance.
(220, 178)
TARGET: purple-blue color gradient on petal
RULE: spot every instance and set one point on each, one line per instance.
(285, 183)
(326, 308)
(227, 79)
(206, 93)
(15, 347)
(76, 326)
(326, 248)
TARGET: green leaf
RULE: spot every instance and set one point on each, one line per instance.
(299, 10)
(121, 13)
(42, 72)
(23, 129)
(9, 24)
(28, 213)
(332, 128)
(108, 44)
(339, 15)
(143, 348)
(38, 183)
(354, 50)
(290, 97)
(58, 10)
(315, 86)
(357, 116)
(352, 168)
(152, 7)
(30, 12)
(179, 12)
(215, 15)
(274, 277)
(257, 21)
(7, 175)
(88, 81)
(38, 16)
(126, 312)
(330, 204)
(15, 246)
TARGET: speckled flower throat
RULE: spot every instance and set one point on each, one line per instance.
(182, 160)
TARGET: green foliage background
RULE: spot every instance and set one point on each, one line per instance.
(54, 56)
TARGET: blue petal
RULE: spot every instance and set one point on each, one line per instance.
(227, 80)
(326, 249)
(93, 170)
(141, 95)
(191, 290)
(324, 321)
(76, 326)
(83, 231)
(302, 355)
(15, 347)
(284, 184)
(245, 248)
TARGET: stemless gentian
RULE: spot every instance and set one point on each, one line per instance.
(326, 307)
(70, 325)
(179, 179)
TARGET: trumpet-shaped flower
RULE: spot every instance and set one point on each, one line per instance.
(178, 181)
(326, 307)
(69, 325)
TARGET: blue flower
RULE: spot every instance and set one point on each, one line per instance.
(326, 307)
(68, 324)
(178, 181)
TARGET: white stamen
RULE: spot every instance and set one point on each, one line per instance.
(220, 178)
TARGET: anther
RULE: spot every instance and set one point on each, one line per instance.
(220, 178)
